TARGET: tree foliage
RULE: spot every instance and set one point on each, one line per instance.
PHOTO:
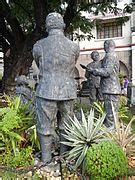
(28, 16)
(22, 23)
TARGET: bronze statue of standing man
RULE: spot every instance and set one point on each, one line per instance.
(94, 81)
(56, 57)
(109, 81)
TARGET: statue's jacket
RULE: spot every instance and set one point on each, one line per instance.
(56, 57)
(109, 74)
(94, 81)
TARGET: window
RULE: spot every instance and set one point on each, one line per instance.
(109, 30)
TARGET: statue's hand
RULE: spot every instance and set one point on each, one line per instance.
(94, 72)
(89, 69)
(83, 66)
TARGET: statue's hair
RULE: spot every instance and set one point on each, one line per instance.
(54, 21)
(93, 52)
(110, 43)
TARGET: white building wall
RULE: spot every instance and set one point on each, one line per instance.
(122, 44)
(120, 41)
(98, 43)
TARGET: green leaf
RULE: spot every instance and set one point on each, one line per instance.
(68, 143)
(90, 123)
(75, 134)
(81, 157)
(84, 122)
(98, 125)
(13, 146)
(128, 128)
(76, 149)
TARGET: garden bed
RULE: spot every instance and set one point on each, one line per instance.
(32, 172)
(40, 174)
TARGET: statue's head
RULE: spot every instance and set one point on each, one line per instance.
(109, 45)
(54, 21)
(95, 56)
(22, 80)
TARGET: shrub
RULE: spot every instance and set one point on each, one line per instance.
(124, 111)
(16, 132)
(106, 160)
(23, 158)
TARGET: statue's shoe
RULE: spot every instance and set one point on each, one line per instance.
(52, 168)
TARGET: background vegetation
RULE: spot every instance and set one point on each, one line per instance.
(22, 23)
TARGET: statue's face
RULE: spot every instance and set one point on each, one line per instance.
(95, 56)
(109, 46)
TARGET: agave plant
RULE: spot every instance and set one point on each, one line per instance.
(80, 135)
(122, 133)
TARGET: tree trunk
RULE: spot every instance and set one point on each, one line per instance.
(8, 82)
(19, 59)
(16, 63)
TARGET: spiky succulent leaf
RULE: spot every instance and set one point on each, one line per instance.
(84, 123)
(97, 127)
(77, 134)
(81, 134)
(122, 134)
(77, 126)
(128, 128)
(81, 157)
(99, 107)
(90, 123)
(77, 149)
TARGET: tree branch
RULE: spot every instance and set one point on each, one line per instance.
(27, 12)
(72, 9)
(70, 12)
(40, 13)
(4, 31)
(12, 21)
(4, 44)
